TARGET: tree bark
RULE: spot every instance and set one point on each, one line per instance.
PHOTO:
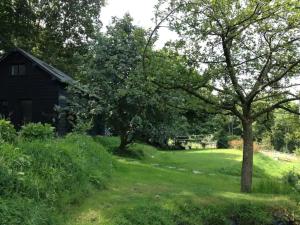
(124, 142)
(247, 167)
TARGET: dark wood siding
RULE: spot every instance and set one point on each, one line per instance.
(35, 85)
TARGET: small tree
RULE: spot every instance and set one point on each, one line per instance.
(113, 86)
(247, 55)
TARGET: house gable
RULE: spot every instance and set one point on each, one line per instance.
(30, 95)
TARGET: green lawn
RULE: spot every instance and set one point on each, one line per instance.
(209, 177)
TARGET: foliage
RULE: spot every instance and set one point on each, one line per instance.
(112, 85)
(293, 178)
(250, 214)
(244, 54)
(7, 132)
(263, 126)
(222, 140)
(82, 126)
(45, 175)
(34, 131)
(58, 31)
(115, 89)
(285, 133)
(238, 144)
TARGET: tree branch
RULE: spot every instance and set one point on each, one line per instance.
(275, 106)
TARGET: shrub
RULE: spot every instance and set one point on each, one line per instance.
(222, 141)
(293, 179)
(238, 144)
(7, 131)
(249, 214)
(82, 126)
(33, 131)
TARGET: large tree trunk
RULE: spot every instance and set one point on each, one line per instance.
(247, 168)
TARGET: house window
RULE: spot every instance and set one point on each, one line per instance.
(26, 111)
(18, 70)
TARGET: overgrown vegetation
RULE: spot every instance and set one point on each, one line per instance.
(7, 132)
(40, 177)
(36, 131)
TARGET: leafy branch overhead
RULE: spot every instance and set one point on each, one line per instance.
(245, 54)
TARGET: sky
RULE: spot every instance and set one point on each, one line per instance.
(142, 12)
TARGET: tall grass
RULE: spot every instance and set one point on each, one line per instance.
(190, 213)
(43, 176)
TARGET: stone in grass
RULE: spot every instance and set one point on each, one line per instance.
(197, 172)
(171, 167)
(155, 164)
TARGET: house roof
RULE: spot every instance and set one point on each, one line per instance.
(57, 74)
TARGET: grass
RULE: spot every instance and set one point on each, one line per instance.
(166, 178)
(39, 178)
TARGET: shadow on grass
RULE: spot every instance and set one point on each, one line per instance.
(135, 183)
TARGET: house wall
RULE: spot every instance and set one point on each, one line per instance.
(35, 85)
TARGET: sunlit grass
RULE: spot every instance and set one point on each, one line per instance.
(209, 177)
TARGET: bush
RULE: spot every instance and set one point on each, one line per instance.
(238, 144)
(7, 132)
(222, 141)
(293, 179)
(82, 126)
(48, 174)
(34, 131)
(249, 214)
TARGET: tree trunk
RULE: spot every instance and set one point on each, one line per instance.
(124, 142)
(247, 168)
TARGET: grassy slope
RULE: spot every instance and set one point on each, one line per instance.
(39, 178)
(209, 177)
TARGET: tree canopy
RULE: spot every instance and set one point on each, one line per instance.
(57, 31)
(246, 56)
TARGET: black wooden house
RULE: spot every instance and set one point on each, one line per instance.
(30, 89)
